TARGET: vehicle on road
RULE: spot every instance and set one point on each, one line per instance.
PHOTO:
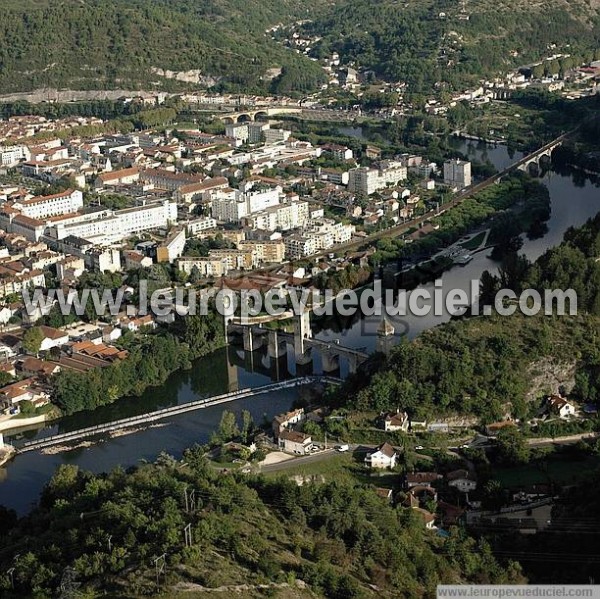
(342, 448)
(417, 447)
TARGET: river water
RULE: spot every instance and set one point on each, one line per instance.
(22, 479)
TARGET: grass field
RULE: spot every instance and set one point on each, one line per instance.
(342, 467)
(474, 242)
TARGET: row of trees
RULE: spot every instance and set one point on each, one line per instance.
(152, 358)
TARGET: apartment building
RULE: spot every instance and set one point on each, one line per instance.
(172, 247)
(365, 181)
(283, 217)
(204, 223)
(169, 180)
(237, 131)
(126, 176)
(457, 173)
(67, 202)
(233, 205)
(210, 266)
(111, 226)
(12, 155)
(298, 246)
(267, 251)
(236, 259)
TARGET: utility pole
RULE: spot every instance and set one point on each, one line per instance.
(190, 501)
(160, 563)
(10, 573)
(187, 531)
(110, 543)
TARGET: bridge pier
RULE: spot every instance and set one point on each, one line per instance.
(304, 364)
(330, 361)
(233, 383)
(275, 348)
(354, 362)
(248, 339)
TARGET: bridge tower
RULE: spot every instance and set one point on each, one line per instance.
(385, 336)
(302, 331)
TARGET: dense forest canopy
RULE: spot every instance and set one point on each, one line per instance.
(340, 539)
(423, 43)
(118, 43)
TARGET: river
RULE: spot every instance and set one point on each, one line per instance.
(23, 478)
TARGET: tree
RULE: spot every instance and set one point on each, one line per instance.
(228, 428)
(195, 276)
(512, 447)
(247, 425)
(32, 340)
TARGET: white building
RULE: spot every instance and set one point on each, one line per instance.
(204, 223)
(462, 480)
(295, 442)
(365, 181)
(234, 205)
(67, 202)
(110, 226)
(12, 155)
(256, 132)
(457, 173)
(237, 131)
(283, 217)
(385, 456)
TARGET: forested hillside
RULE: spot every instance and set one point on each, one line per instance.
(421, 43)
(101, 44)
(341, 540)
(486, 366)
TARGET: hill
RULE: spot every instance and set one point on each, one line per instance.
(456, 42)
(102, 535)
(129, 44)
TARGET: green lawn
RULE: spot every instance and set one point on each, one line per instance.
(342, 467)
(474, 242)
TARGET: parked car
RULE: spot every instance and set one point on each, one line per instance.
(342, 448)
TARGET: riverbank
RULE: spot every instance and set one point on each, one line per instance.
(15, 423)
(6, 454)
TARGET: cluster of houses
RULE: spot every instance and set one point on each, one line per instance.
(79, 347)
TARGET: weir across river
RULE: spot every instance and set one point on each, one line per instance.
(151, 417)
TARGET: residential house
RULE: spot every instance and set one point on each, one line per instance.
(295, 442)
(559, 406)
(428, 517)
(32, 366)
(462, 480)
(396, 421)
(52, 338)
(285, 421)
(416, 479)
(385, 456)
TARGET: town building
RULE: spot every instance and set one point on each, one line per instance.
(457, 173)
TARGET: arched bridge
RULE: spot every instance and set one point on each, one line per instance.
(257, 114)
(254, 336)
(543, 152)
